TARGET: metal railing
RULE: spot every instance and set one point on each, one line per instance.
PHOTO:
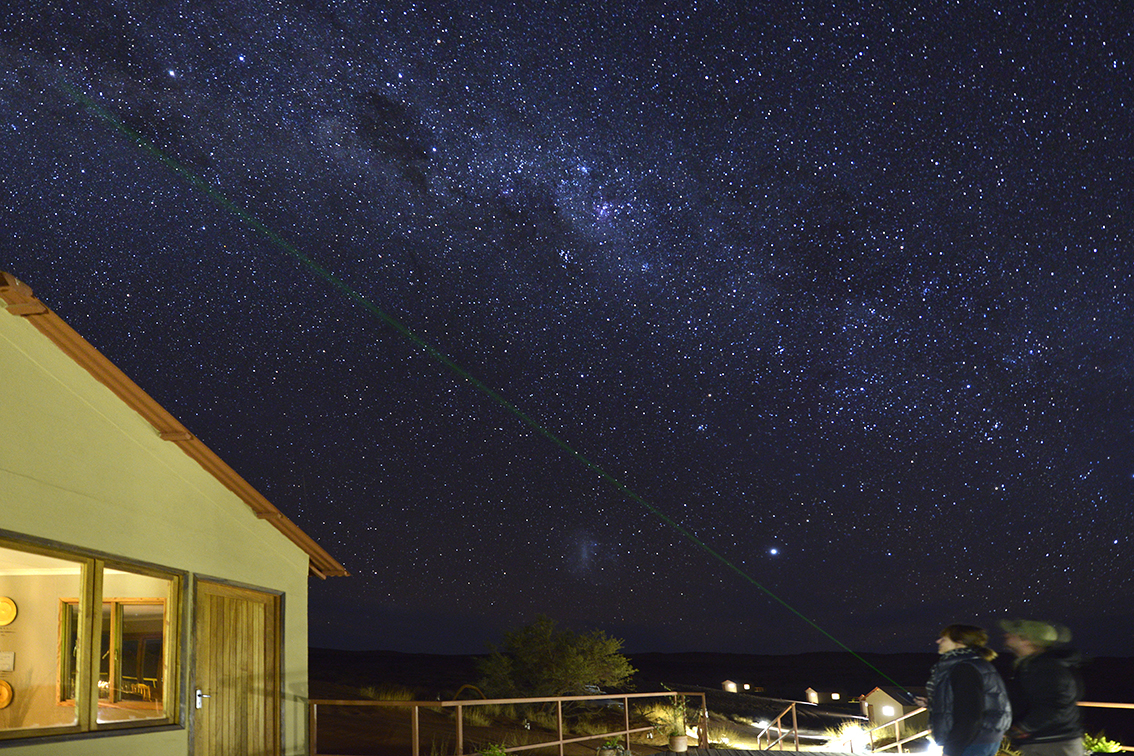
(560, 740)
(898, 740)
(778, 723)
(1109, 705)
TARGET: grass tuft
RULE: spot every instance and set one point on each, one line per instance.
(387, 693)
(478, 716)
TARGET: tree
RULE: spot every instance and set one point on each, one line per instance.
(540, 660)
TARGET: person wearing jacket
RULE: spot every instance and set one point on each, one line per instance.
(1045, 689)
(969, 710)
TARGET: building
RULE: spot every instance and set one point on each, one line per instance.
(824, 697)
(888, 703)
(151, 601)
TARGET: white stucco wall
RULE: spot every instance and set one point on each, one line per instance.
(79, 467)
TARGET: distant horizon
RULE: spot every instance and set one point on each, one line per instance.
(914, 631)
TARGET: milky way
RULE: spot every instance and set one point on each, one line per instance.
(844, 293)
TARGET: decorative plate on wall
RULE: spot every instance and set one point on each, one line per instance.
(7, 611)
(5, 694)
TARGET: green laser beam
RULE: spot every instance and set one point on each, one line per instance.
(438, 355)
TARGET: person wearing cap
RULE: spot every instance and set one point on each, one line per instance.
(969, 710)
(1045, 689)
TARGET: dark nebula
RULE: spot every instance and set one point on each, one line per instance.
(845, 293)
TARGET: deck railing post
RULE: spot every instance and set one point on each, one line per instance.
(794, 726)
(416, 732)
(559, 724)
(703, 725)
(312, 711)
(626, 712)
(460, 729)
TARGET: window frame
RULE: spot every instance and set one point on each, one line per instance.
(89, 638)
(115, 686)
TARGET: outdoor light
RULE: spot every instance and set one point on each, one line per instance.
(858, 739)
(746, 686)
(834, 696)
(887, 711)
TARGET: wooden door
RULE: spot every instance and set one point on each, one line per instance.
(236, 711)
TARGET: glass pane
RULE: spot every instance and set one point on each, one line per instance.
(141, 658)
(134, 648)
(104, 650)
(34, 595)
(69, 642)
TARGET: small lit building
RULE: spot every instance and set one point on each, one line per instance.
(823, 697)
(151, 600)
(888, 703)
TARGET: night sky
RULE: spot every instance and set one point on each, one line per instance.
(846, 292)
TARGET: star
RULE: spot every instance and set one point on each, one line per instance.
(835, 279)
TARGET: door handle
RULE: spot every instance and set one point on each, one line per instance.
(200, 696)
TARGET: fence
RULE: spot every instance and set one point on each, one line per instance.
(1108, 705)
(415, 707)
(778, 723)
(899, 741)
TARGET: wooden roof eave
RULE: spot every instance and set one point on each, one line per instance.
(19, 300)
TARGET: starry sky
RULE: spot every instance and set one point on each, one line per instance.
(842, 290)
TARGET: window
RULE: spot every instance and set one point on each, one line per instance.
(35, 583)
(132, 660)
(132, 672)
(93, 644)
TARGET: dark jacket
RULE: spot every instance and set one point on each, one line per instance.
(1045, 690)
(968, 701)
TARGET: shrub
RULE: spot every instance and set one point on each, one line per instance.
(848, 736)
(541, 660)
(477, 716)
(387, 693)
(1006, 748)
(545, 718)
(1100, 743)
(858, 733)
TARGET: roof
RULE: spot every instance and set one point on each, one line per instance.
(18, 299)
(901, 695)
